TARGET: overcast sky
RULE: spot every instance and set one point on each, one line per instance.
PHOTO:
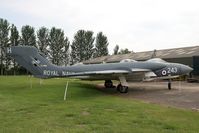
(138, 25)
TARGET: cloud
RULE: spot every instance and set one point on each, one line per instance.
(136, 24)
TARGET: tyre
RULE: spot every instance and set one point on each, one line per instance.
(169, 86)
(108, 84)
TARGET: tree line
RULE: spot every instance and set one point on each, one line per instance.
(53, 43)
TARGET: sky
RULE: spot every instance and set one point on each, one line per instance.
(139, 25)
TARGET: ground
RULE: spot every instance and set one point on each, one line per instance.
(183, 94)
(28, 105)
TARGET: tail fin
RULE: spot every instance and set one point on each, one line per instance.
(32, 60)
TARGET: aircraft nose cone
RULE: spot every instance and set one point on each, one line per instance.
(186, 69)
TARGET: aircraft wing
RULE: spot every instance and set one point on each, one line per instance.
(109, 72)
(105, 72)
(140, 70)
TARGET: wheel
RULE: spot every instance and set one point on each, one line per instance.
(122, 89)
(169, 86)
(119, 86)
(125, 89)
(108, 84)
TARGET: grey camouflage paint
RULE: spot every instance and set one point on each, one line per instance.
(40, 67)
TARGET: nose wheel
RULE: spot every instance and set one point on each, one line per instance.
(169, 84)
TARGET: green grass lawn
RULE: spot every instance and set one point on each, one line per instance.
(42, 109)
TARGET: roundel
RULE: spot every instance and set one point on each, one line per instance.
(164, 72)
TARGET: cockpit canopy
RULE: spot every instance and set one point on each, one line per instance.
(127, 60)
(157, 60)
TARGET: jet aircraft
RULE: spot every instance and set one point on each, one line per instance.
(124, 71)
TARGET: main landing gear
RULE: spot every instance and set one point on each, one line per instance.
(108, 84)
(122, 87)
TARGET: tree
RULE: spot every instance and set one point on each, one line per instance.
(28, 36)
(14, 41)
(82, 47)
(14, 35)
(4, 39)
(101, 45)
(88, 45)
(77, 47)
(65, 52)
(124, 51)
(116, 49)
(58, 45)
(43, 40)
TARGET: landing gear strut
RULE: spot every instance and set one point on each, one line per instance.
(122, 89)
(123, 86)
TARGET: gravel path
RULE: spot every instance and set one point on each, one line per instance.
(182, 95)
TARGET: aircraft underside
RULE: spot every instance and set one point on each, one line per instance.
(128, 77)
(122, 87)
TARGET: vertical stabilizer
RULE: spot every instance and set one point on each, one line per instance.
(32, 60)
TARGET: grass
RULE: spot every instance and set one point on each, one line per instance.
(42, 109)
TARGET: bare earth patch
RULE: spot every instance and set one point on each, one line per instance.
(85, 113)
(182, 95)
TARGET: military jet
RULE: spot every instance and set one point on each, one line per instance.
(124, 71)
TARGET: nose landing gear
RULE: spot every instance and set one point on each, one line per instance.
(169, 84)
